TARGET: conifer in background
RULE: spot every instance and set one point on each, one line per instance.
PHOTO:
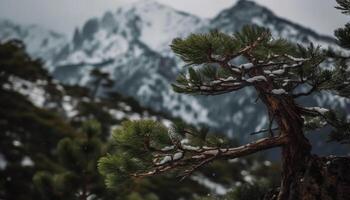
(27, 133)
(343, 34)
(99, 80)
(74, 175)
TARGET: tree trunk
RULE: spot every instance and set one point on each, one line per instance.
(305, 176)
(96, 86)
(297, 152)
(325, 178)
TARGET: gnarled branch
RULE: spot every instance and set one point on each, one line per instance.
(199, 157)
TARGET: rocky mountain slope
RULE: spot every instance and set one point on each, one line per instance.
(132, 44)
(41, 43)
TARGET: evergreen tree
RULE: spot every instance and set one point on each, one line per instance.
(341, 61)
(74, 174)
(343, 34)
(99, 79)
(280, 72)
(28, 134)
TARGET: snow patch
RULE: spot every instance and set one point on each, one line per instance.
(278, 91)
(214, 187)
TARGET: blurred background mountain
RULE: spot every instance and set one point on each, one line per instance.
(117, 67)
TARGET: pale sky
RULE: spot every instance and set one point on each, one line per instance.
(64, 15)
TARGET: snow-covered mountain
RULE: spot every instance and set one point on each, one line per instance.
(132, 44)
(248, 12)
(40, 42)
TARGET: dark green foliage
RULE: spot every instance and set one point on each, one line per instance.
(130, 157)
(337, 79)
(196, 78)
(344, 6)
(75, 174)
(39, 127)
(99, 80)
(254, 191)
(16, 62)
(94, 110)
(55, 186)
(27, 132)
(89, 108)
(121, 163)
(343, 34)
(198, 48)
(341, 127)
(336, 121)
(216, 46)
(216, 71)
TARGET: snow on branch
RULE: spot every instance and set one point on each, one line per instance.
(219, 86)
(246, 66)
(318, 109)
(295, 59)
(192, 157)
(256, 79)
(278, 91)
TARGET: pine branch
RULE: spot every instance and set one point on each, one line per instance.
(318, 112)
(344, 6)
(213, 87)
(205, 156)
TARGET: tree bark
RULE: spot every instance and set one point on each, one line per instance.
(305, 176)
(297, 152)
(326, 178)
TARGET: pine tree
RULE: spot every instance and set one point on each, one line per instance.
(28, 133)
(343, 34)
(341, 60)
(74, 174)
(99, 79)
(280, 72)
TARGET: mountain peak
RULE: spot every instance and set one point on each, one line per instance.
(156, 24)
(247, 3)
(145, 6)
(148, 3)
(244, 6)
